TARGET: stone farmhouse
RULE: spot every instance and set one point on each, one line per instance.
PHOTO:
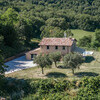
(48, 45)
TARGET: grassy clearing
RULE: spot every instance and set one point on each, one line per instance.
(90, 68)
(35, 40)
(81, 33)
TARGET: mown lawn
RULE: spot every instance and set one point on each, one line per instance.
(90, 68)
(81, 33)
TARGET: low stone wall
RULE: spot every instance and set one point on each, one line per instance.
(16, 56)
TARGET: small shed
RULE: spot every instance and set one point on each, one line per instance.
(31, 54)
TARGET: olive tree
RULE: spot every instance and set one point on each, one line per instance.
(43, 61)
(55, 56)
(73, 60)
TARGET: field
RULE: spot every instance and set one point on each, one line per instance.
(80, 33)
(91, 67)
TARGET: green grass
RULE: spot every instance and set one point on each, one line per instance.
(35, 40)
(81, 33)
(90, 68)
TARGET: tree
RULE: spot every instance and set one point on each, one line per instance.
(25, 28)
(8, 20)
(85, 41)
(2, 77)
(2, 66)
(9, 17)
(51, 31)
(55, 56)
(68, 33)
(29, 28)
(73, 60)
(57, 22)
(10, 35)
(97, 38)
(43, 61)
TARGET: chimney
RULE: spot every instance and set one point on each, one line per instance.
(65, 34)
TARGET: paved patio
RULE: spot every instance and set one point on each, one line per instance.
(19, 64)
(83, 51)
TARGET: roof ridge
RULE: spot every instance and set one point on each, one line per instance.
(57, 41)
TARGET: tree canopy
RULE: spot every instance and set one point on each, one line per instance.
(73, 60)
(2, 66)
(43, 61)
(55, 57)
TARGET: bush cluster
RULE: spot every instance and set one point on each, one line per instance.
(51, 89)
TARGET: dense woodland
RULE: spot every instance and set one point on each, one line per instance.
(23, 20)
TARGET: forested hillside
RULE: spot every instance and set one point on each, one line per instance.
(23, 20)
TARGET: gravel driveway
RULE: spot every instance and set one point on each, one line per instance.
(19, 64)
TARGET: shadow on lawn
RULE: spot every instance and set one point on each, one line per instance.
(82, 74)
(63, 67)
(56, 75)
(89, 59)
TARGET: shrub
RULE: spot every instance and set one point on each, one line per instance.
(51, 86)
(57, 96)
(85, 41)
(90, 87)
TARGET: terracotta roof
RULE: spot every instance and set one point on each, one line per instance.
(35, 51)
(57, 41)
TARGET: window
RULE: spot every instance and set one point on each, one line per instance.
(47, 47)
(32, 55)
(63, 47)
(56, 47)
